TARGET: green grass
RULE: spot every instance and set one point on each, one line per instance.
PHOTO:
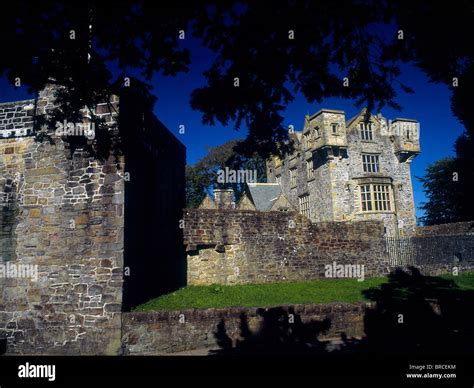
(464, 281)
(273, 294)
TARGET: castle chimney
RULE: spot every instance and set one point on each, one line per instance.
(224, 198)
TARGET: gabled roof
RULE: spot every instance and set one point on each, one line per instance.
(263, 195)
(245, 203)
(361, 113)
(281, 203)
(207, 203)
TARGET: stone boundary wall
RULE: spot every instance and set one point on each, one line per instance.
(444, 248)
(161, 332)
(455, 228)
(436, 255)
(241, 246)
(227, 246)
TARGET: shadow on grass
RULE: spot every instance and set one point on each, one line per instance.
(412, 314)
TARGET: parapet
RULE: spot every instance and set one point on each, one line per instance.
(16, 118)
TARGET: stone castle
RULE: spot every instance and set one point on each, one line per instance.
(351, 170)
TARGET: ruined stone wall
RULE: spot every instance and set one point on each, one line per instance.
(239, 246)
(161, 332)
(242, 246)
(70, 216)
(443, 254)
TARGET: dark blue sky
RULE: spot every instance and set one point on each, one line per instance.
(429, 105)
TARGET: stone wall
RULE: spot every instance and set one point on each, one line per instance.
(444, 254)
(244, 246)
(452, 229)
(16, 118)
(63, 215)
(444, 248)
(161, 332)
(70, 216)
(240, 246)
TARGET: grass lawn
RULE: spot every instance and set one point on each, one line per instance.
(274, 294)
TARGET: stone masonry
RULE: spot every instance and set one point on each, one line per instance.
(163, 332)
(233, 246)
(245, 246)
(65, 215)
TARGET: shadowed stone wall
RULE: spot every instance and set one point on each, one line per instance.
(444, 248)
(154, 199)
(161, 332)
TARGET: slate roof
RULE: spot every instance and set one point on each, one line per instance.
(263, 195)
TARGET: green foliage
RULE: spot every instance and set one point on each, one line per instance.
(443, 203)
(72, 46)
(217, 289)
(449, 186)
(196, 186)
(354, 40)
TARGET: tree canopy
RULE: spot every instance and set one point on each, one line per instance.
(441, 187)
(449, 186)
(265, 53)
